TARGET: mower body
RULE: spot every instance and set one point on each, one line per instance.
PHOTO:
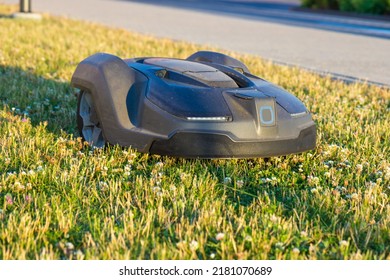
(206, 106)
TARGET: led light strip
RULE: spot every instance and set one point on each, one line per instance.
(297, 115)
(216, 119)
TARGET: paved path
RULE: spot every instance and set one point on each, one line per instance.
(340, 45)
(285, 12)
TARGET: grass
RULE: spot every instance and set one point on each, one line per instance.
(59, 199)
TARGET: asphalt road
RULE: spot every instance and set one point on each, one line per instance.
(357, 48)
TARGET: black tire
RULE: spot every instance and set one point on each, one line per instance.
(88, 122)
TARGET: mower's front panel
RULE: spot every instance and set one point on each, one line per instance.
(203, 145)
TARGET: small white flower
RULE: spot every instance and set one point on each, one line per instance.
(227, 180)
(248, 238)
(18, 186)
(79, 254)
(354, 196)
(39, 168)
(387, 174)
(181, 243)
(303, 233)
(183, 176)
(379, 174)
(212, 255)
(313, 181)
(296, 251)
(102, 185)
(69, 246)
(273, 219)
(11, 174)
(370, 184)
(343, 243)
(172, 187)
(279, 245)
(359, 168)
(240, 183)
(127, 168)
(220, 236)
(194, 245)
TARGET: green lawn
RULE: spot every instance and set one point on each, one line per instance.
(59, 199)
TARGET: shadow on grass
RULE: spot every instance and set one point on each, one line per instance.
(39, 98)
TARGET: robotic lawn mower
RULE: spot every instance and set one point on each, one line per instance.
(206, 106)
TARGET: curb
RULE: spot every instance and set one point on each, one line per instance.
(32, 16)
(334, 76)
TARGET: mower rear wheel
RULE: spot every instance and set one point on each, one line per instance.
(88, 122)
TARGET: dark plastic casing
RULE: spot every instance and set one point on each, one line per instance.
(207, 106)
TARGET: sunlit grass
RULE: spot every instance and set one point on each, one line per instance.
(61, 200)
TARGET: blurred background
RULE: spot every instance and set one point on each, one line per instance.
(345, 38)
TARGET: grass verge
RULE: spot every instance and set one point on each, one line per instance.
(379, 7)
(61, 200)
